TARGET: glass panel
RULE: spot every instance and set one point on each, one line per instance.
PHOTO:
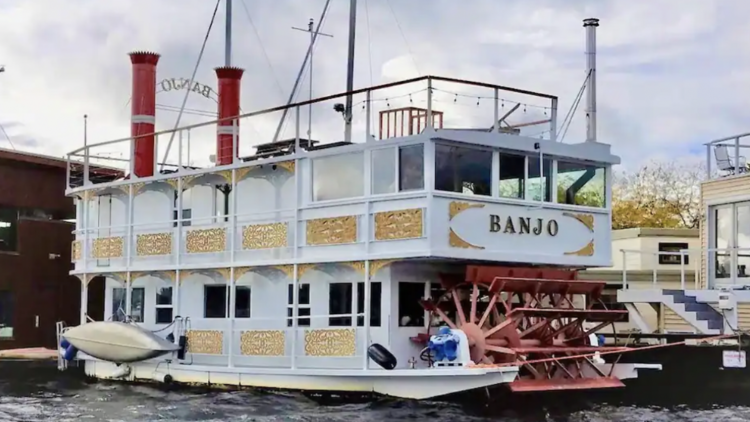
(411, 168)
(137, 295)
(540, 187)
(410, 312)
(8, 229)
(722, 240)
(304, 294)
(242, 302)
(463, 170)
(164, 296)
(338, 176)
(118, 304)
(580, 184)
(163, 315)
(215, 301)
(511, 183)
(301, 322)
(743, 240)
(339, 303)
(376, 291)
(383, 170)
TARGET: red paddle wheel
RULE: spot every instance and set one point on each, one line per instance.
(528, 316)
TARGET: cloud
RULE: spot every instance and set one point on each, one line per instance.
(671, 72)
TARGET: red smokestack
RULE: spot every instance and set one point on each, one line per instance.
(229, 106)
(143, 111)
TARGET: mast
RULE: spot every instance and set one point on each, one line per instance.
(228, 35)
(350, 71)
(310, 26)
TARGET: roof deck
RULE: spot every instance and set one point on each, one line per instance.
(418, 177)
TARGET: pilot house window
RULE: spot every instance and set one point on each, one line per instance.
(404, 164)
(463, 170)
(580, 184)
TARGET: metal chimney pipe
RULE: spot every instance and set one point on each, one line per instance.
(229, 106)
(590, 24)
(143, 112)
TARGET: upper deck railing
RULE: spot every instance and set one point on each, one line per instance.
(410, 106)
(727, 156)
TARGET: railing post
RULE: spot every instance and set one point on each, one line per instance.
(708, 161)
(624, 269)
(736, 155)
(368, 119)
(496, 123)
(429, 103)
(682, 270)
(553, 121)
(295, 312)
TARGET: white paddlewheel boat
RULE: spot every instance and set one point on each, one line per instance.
(425, 254)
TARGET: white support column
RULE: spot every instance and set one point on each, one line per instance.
(129, 295)
(232, 245)
(129, 230)
(177, 282)
(368, 293)
(232, 299)
(84, 297)
(295, 310)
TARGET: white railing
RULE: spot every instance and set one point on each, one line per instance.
(407, 107)
(703, 266)
(727, 156)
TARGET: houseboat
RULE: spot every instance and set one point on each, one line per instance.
(428, 255)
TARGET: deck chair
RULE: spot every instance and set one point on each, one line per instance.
(724, 162)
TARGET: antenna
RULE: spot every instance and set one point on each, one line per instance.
(312, 41)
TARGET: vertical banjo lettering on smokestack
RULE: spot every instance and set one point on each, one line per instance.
(229, 106)
(590, 24)
(143, 112)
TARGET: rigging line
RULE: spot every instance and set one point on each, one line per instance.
(408, 48)
(262, 48)
(574, 107)
(369, 39)
(192, 78)
(2, 128)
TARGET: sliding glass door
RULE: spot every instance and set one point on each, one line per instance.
(730, 228)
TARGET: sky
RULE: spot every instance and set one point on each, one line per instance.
(672, 74)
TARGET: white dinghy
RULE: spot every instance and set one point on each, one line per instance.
(118, 342)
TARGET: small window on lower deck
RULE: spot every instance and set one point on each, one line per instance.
(164, 305)
(340, 303)
(303, 305)
(119, 303)
(410, 310)
(242, 302)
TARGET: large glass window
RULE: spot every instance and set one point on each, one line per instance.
(540, 179)
(164, 310)
(512, 174)
(8, 228)
(338, 176)
(580, 184)
(383, 162)
(411, 168)
(743, 239)
(340, 303)
(463, 170)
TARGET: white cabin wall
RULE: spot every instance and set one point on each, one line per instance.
(202, 205)
(152, 211)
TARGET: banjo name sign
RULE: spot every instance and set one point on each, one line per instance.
(177, 84)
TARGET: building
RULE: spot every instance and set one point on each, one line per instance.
(648, 258)
(36, 289)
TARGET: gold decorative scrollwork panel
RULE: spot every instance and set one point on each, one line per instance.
(401, 224)
(76, 250)
(264, 236)
(331, 231)
(335, 342)
(153, 244)
(205, 342)
(262, 343)
(206, 240)
(107, 247)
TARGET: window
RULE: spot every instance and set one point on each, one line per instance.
(410, 311)
(580, 184)
(376, 292)
(6, 314)
(242, 301)
(338, 176)
(186, 211)
(512, 174)
(164, 305)
(303, 305)
(215, 301)
(411, 168)
(540, 187)
(672, 259)
(383, 163)
(8, 229)
(340, 303)
(463, 170)
(723, 239)
(119, 304)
